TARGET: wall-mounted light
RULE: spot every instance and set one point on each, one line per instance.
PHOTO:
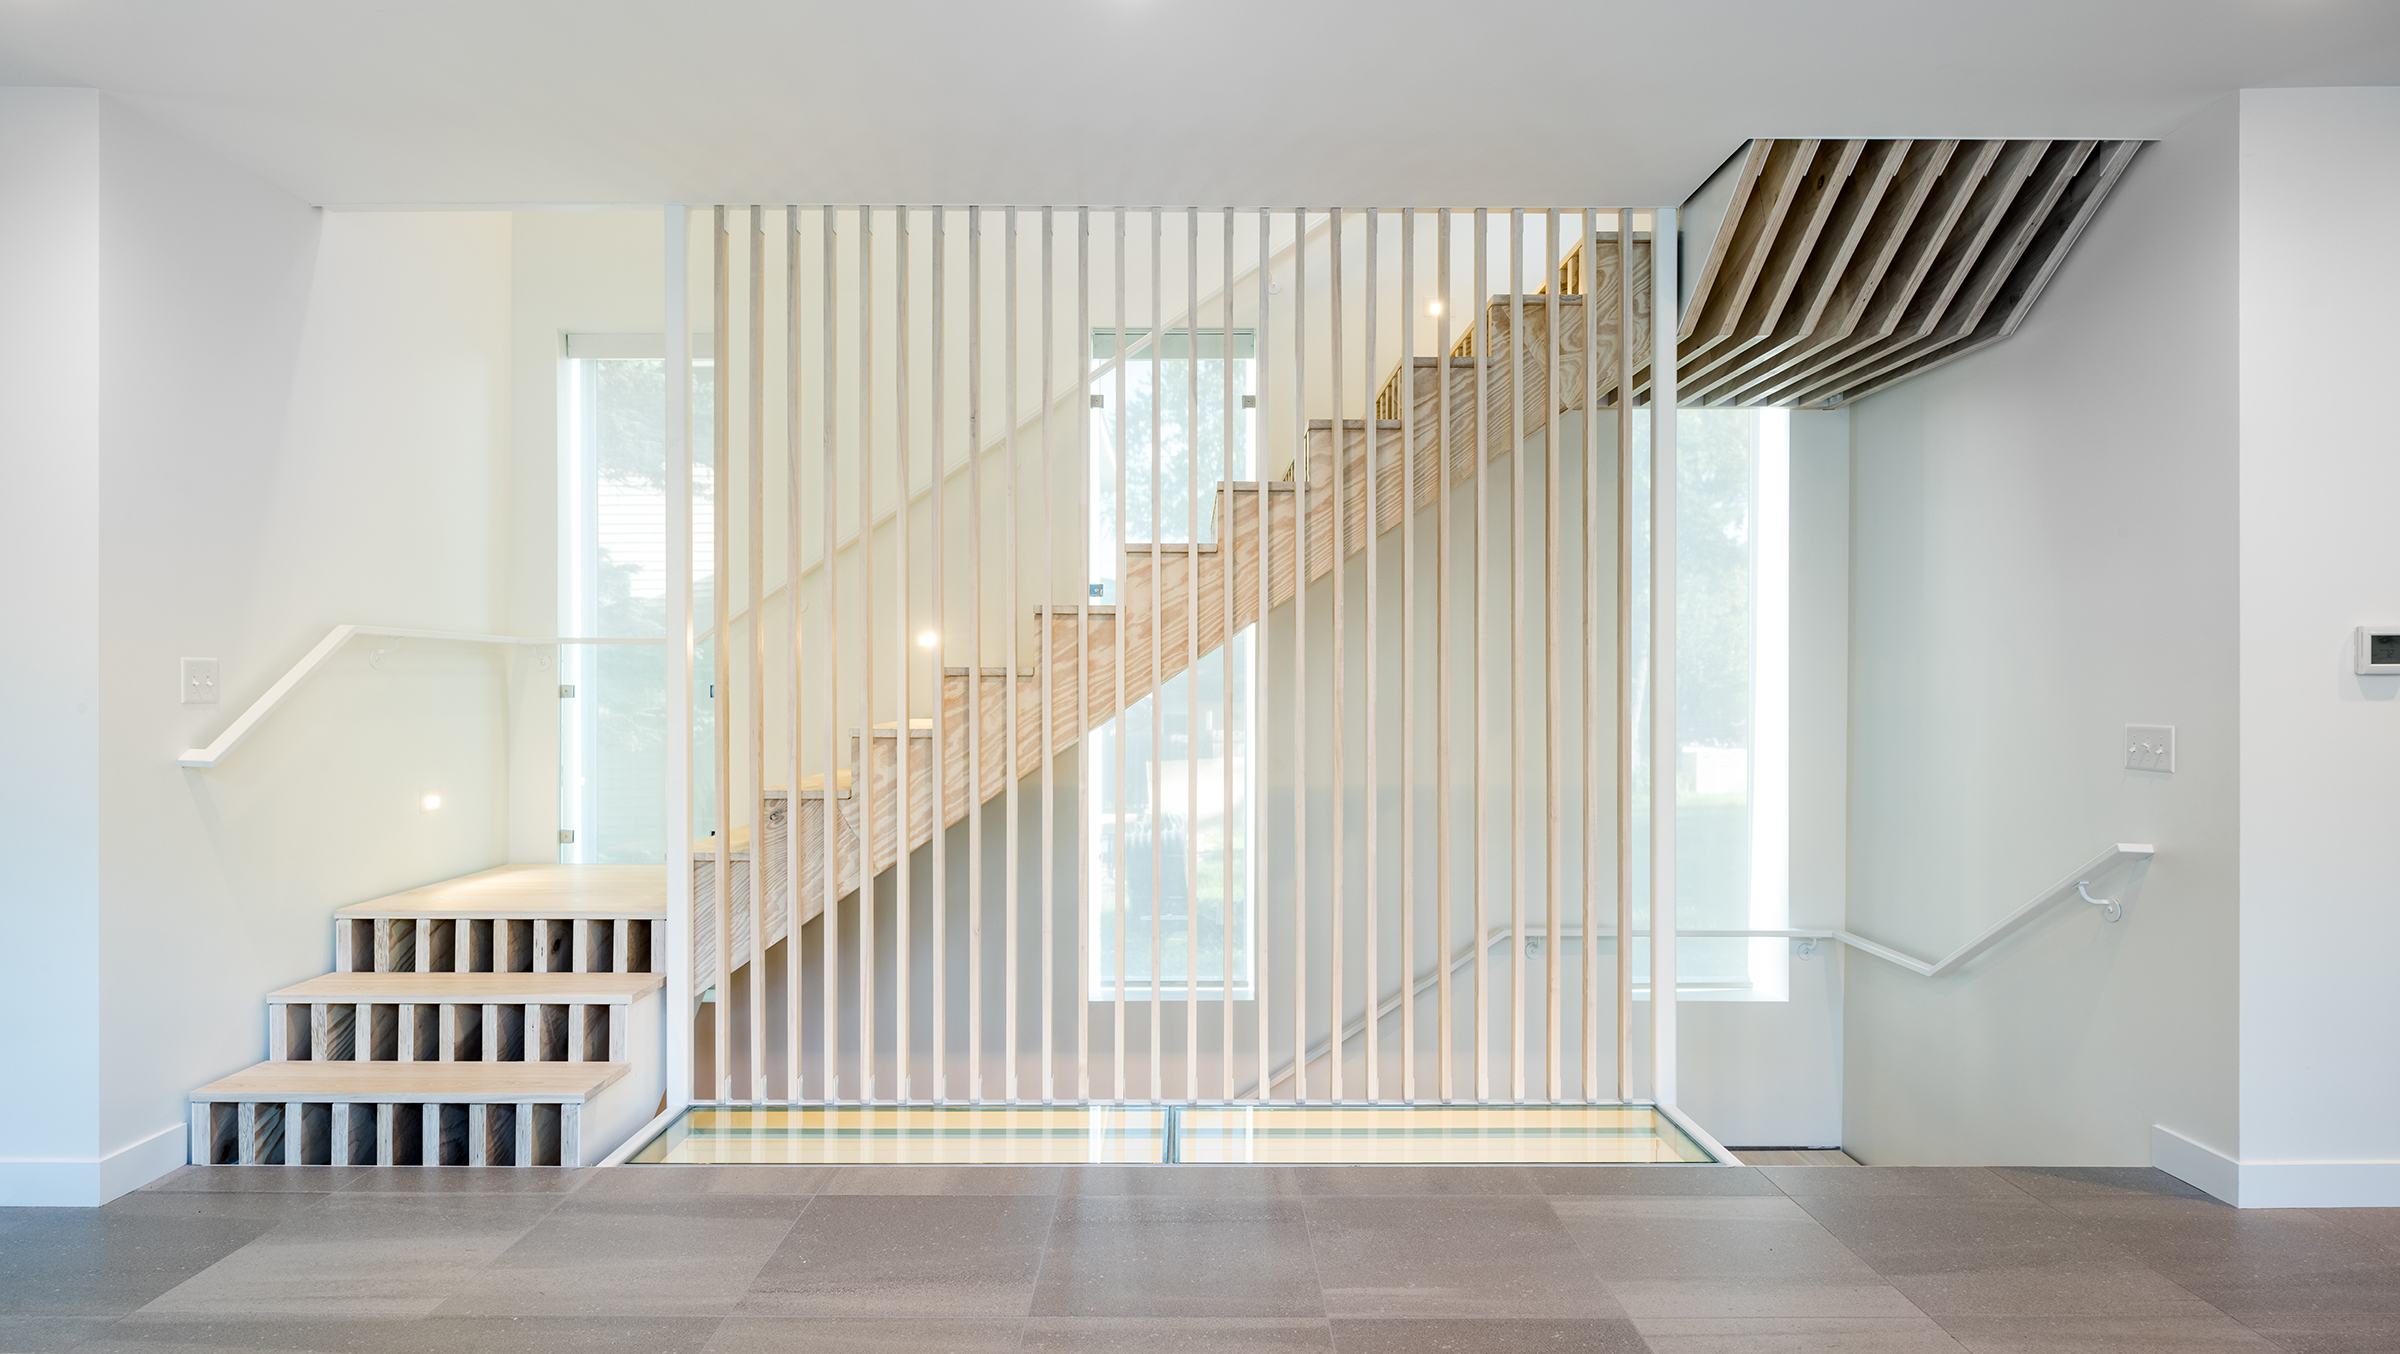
(928, 640)
(430, 803)
(1434, 309)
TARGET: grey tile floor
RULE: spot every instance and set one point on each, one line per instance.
(729, 1260)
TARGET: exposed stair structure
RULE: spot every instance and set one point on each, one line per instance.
(510, 1017)
(1840, 268)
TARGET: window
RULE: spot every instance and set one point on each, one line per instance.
(1731, 704)
(612, 584)
(1170, 809)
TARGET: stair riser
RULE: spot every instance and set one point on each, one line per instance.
(368, 1133)
(447, 1032)
(492, 945)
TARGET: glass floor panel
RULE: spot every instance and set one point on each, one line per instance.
(910, 1135)
(1431, 1134)
(1158, 1134)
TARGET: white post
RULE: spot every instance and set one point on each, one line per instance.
(1662, 656)
(678, 947)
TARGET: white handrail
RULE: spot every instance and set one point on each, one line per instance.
(2070, 887)
(2064, 890)
(315, 658)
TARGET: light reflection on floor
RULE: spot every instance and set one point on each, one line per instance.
(1156, 1134)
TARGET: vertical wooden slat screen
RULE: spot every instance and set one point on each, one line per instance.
(1340, 933)
(976, 564)
(1300, 717)
(721, 669)
(1408, 655)
(938, 546)
(794, 919)
(1083, 658)
(679, 954)
(830, 904)
(1445, 1028)
(864, 744)
(1008, 678)
(1337, 898)
(1475, 781)
(1662, 658)
(903, 641)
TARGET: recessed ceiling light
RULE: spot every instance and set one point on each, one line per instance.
(1434, 309)
(430, 803)
(928, 639)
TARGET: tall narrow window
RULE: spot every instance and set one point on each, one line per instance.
(1181, 854)
(613, 584)
(1732, 645)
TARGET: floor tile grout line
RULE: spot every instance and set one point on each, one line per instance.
(1592, 1262)
(1316, 1276)
(1033, 1290)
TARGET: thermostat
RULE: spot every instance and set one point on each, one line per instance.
(2379, 650)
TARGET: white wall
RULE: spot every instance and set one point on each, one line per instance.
(300, 422)
(2320, 189)
(50, 650)
(2043, 554)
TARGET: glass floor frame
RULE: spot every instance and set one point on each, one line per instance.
(1151, 1134)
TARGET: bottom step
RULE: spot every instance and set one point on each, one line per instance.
(415, 1114)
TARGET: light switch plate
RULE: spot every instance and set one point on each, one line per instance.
(199, 681)
(2150, 747)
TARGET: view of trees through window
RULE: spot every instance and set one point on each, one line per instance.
(613, 730)
(1162, 825)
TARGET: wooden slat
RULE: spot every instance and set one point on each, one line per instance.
(1852, 218)
(1918, 249)
(1853, 290)
(1986, 207)
(2042, 258)
(1749, 238)
(1820, 194)
(1988, 272)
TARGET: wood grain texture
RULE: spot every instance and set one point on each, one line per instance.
(1843, 266)
(521, 891)
(505, 988)
(418, 1083)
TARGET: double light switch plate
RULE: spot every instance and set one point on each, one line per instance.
(2150, 747)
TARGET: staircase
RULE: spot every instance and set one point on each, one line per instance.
(508, 1018)
(1165, 585)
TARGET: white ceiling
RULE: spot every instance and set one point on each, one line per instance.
(1140, 101)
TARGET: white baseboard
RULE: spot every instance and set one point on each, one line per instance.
(2203, 1168)
(2275, 1184)
(68, 1183)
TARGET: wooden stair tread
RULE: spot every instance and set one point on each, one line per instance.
(494, 988)
(416, 1083)
(524, 891)
(811, 787)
